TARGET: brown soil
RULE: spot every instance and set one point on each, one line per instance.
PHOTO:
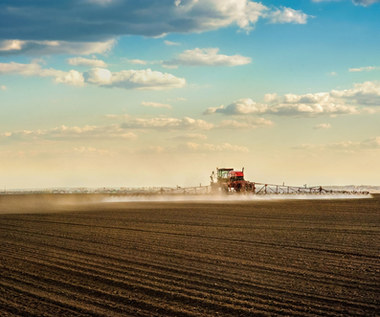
(294, 257)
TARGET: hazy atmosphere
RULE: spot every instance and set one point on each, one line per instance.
(149, 93)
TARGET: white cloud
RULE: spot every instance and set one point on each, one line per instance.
(269, 98)
(365, 3)
(22, 69)
(241, 106)
(214, 14)
(80, 61)
(166, 123)
(99, 76)
(336, 102)
(224, 147)
(71, 77)
(194, 147)
(371, 110)
(325, 1)
(171, 43)
(247, 123)
(207, 57)
(367, 93)
(198, 136)
(372, 143)
(92, 150)
(288, 15)
(364, 69)
(322, 126)
(3, 87)
(168, 66)
(117, 116)
(155, 104)
(66, 132)
(191, 136)
(311, 105)
(134, 79)
(137, 62)
(344, 146)
(128, 79)
(13, 47)
(100, 2)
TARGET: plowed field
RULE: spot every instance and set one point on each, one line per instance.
(293, 257)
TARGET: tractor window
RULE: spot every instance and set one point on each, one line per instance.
(222, 174)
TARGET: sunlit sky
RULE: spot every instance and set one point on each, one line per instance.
(161, 92)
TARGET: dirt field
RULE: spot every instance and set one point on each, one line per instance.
(300, 257)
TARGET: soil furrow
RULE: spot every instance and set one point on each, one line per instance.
(167, 311)
(163, 250)
(266, 290)
(26, 294)
(161, 290)
(305, 257)
(102, 303)
(310, 275)
(218, 291)
(224, 239)
(196, 273)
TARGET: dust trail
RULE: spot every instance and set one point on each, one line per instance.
(229, 198)
(46, 203)
(53, 203)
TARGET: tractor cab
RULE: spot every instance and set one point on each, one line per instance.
(222, 174)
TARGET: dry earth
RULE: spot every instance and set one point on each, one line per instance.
(88, 258)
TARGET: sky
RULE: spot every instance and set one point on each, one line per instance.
(100, 93)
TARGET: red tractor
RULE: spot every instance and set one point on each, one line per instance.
(229, 181)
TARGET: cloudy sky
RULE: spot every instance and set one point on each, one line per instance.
(160, 92)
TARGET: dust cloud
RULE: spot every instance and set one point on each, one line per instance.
(229, 198)
(44, 203)
(53, 203)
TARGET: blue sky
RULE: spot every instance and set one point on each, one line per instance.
(145, 93)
